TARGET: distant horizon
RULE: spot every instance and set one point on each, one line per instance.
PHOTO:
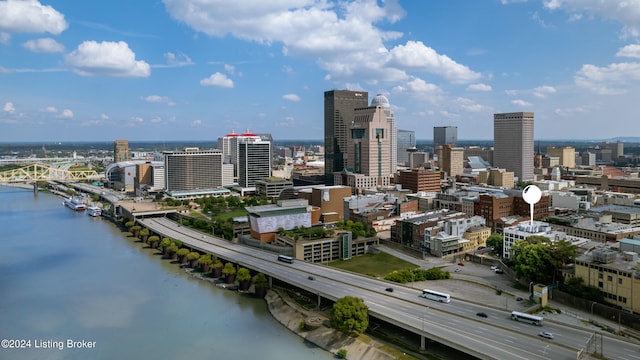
(61, 142)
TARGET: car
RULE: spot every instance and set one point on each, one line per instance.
(460, 264)
(311, 277)
(518, 298)
(389, 289)
(499, 271)
(494, 267)
(482, 315)
(458, 270)
(546, 334)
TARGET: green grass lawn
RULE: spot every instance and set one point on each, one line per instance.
(377, 265)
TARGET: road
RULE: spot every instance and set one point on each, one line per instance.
(454, 324)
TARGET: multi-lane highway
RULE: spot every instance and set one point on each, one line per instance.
(454, 324)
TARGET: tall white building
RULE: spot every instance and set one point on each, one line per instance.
(382, 100)
(254, 161)
(513, 147)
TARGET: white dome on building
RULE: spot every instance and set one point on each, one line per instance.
(380, 100)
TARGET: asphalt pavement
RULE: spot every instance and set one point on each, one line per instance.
(479, 284)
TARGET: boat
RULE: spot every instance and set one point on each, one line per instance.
(74, 203)
(94, 211)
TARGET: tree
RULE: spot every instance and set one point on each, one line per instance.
(164, 244)
(182, 255)
(217, 268)
(229, 271)
(531, 259)
(153, 241)
(496, 241)
(244, 278)
(560, 254)
(350, 315)
(193, 257)
(205, 262)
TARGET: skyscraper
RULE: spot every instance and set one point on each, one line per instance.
(445, 135)
(121, 151)
(339, 107)
(513, 147)
(382, 100)
(192, 171)
(406, 140)
(254, 161)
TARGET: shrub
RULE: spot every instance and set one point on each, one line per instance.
(342, 354)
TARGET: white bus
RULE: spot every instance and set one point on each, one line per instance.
(436, 295)
(285, 258)
(531, 319)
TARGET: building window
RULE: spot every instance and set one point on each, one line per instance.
(609, 278)
(620, 281)
(599, 283)
(600, 276)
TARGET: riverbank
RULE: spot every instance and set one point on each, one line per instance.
(286, 311)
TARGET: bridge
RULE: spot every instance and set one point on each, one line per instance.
(38, 172)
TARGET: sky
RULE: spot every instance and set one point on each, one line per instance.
(169, 70)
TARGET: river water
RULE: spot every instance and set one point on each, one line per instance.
(65, 276)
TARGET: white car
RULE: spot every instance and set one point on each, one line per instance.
(493, 267)
(546, 335)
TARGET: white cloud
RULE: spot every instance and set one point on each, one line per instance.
(106, 58)
(520, 103)
(217, 79)
(104, 117)
(479, 87)
(570, 111)
(417, 85)
(608, 80)
(631, 51)
(626, 12)
(229, 68)
(44, 45)
(65, 114)
(50, 109)
(543, 91)
(20, 16)
(291, 97)
(8, 107)
(159, 99)
(176, 60)
(196, 122)
(417, 56)
(505, 2)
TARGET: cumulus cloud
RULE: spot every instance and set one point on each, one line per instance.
(630, 51)
(626, 12)
(45, 45)
(30, 16)
(608, 80)
(50, 109)
(416, 55)
(5, 38)
(8, 107)
(106, 58)
(479, 87)
(65, 114)
(196, 122)
(217, 79)
(159, 99)
(520, 103)
(291, 97)
(104, 117)
(543, 91)
(344, 38)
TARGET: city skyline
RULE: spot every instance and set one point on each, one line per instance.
(195, 70)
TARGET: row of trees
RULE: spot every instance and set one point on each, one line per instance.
(205, 263)
(411, 275)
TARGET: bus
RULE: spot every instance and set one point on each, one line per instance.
(531, 319)
(436, 295)
(285, 258)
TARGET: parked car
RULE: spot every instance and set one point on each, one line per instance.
(389, 289)
(499, 271)
(482, 315)
(460, 264)
(546, 335)
(494, 267)
(311, 277)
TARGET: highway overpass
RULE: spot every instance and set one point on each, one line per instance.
(454, 324)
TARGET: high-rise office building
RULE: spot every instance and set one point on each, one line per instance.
(339, 108)
(381, 100)
(513, 147)
(192, 171)
(452, 161)
(406, 142)
(445, 135)
(121, 151)
(254, 161)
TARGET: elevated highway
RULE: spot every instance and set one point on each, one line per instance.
(454, 324)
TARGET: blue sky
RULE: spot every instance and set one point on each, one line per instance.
(198, 69)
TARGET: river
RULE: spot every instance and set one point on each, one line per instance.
(74, 287)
